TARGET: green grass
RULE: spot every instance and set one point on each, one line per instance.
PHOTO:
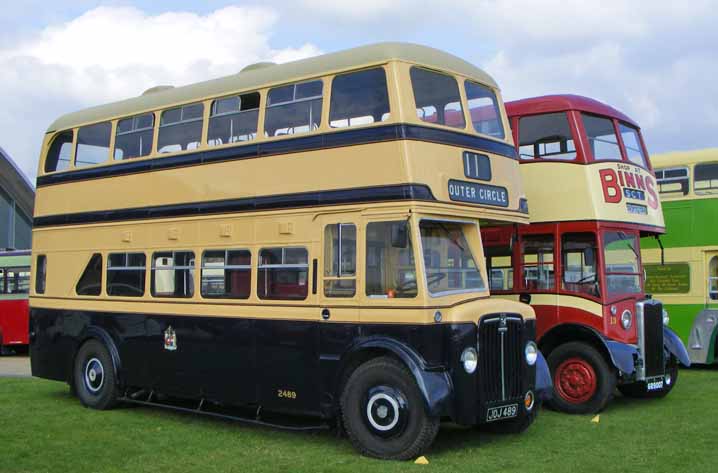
(43, 428)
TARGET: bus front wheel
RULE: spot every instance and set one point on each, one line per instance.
(94, 379)
(383, 411)
(583, 381)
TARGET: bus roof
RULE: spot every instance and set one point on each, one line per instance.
(263, 74)
(684, 158)
(564, 102)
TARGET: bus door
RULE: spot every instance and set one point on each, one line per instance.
(337, 290)
(712, 281)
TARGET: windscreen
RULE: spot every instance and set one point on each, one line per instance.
(449, 263)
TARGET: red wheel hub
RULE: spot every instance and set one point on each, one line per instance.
(575, 380)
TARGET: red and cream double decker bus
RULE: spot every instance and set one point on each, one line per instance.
(14, 285)
(592, 195)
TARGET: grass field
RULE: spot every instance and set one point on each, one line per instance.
(43, 428)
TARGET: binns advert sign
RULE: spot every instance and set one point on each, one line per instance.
(629, 183)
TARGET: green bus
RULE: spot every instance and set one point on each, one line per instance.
(682, 266)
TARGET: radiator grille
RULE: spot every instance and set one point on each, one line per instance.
(652, 342)
(500, 356)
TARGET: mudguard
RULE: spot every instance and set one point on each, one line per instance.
(103, 336)
(544, 385)
(435, 386)
(675, 346)
(622, 355)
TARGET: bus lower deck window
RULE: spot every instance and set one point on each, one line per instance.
(40, 274)
(283, 273)
(538, 270)
(90, 283)
(226, 274)
(173, 274)
(126, 274)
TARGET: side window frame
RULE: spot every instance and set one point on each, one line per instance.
(40, 274)
(71, 159)
(225, 266)
(189, 267)
(180, 122)
(332, 274)
(522, 264)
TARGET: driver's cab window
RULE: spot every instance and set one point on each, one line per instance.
(578, 258)
(546, 136)
(390, 265)
(713, 279)
(537, 262)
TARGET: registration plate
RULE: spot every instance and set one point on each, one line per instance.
(502, 412)
(654, 384)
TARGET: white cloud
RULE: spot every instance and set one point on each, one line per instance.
(111, 53)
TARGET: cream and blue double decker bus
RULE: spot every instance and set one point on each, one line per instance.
(295, 239)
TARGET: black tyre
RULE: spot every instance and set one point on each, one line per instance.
(640, 389)
(94, 379)
(383, 411)
(583, 380)
(513, 426)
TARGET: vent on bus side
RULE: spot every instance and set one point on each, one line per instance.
(158, 88)
(258, 65)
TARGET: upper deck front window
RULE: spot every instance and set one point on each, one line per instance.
(484, 110)
(437, 98)
(546, 136)
(632, 143)
(620, 253)
(602, 138)
(359, 98)
(450, 266)
(60, 153)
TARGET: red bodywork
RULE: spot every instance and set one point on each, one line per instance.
(14, 322)
(551, 316)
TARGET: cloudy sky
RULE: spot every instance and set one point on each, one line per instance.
(656, 60)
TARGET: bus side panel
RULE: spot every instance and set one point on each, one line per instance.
(54, 344)
(14, 322)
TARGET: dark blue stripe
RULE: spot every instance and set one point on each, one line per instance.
(305, 199)
(292, 145)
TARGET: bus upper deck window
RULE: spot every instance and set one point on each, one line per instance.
(233, 119)
(133, 138)
(706, 178)
(484, 110)
(602, 138)
(180, 128)
(294, 109)
(93, 144)
(359, 98)
(437, 98)
(632, 143)
(546, 136)
(60, 153)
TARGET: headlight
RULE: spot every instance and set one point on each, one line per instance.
(666, 319)
(531, 352)
(470, 359)
(626, 319)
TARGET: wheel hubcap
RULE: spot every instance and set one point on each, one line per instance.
(94, 375)
(386, 411)
(575, 380)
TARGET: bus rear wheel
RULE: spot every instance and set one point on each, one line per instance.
(583, 381)
(640, 389)
(94, 378)
(383, 411)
